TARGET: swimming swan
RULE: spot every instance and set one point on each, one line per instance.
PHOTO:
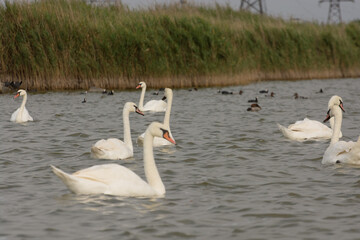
(114, 148)
(114, 179)
(307, 129)
(340, 151)
(161, 141)
(21, 115)
(152, 105)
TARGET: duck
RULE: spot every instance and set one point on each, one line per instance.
(114, 148)
(253, 100)
(225, 92)
(272, 94)
(114, 179)
(339, 151)
(21, 115)
(297, 96)
(152, 105)
(254, 107)
(264, 91)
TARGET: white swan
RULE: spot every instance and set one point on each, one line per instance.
(307, 129)
(114, 148)
(152, 105)
(161, 141)
(21, 115)
(117, 180)
(340, 151)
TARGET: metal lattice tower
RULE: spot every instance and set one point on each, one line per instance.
(256, 5)
(334, 15)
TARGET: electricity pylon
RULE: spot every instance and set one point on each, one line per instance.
(334, 15)
(256, 5)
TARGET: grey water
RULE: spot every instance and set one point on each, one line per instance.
(232, 175)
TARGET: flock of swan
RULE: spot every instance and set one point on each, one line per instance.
(338, 151)
(114, 179)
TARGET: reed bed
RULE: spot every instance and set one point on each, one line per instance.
(62, 44)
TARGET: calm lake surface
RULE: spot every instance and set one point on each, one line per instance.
(232, 175)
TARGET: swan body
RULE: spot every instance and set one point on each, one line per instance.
(114, 179)
(114, 148)
(152, 105)
(21, 115)
(307, 129)
(157, 140)
(340, 151)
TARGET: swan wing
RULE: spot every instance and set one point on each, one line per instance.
(155, 106)
(111, 148)
(13, 116)
(306, 130)
(26, 116)
(340, 151)
(110, 179)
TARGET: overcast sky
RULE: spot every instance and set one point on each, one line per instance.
(303, 9)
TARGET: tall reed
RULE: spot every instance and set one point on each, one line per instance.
(63, 44)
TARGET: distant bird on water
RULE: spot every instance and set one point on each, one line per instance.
(253, 100)
(264, 91)
(254, 108)
(296, 96)
(272, 94)
(320, 91)
(225, 92)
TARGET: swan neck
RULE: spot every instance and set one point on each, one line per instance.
(337, 125)
(142, 96)
(168, 111)
(151, 171)
(21, 109)
(127, 131)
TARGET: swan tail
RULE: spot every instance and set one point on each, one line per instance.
(65, 177)
(283, 130)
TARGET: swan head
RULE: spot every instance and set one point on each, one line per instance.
(168, 92)
(157, 129)
(132, 107)
(141, 85)
(334, 102)
(21, 92)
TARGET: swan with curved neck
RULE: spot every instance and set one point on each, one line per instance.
(21, 115)
(114, 179)
(339, 151)
(157, 140)
(305, 130)
(152, 105)
(114, 148)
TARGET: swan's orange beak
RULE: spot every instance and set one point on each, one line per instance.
(139, 112)
(342, 107)
(18, 94)
(138, 86)
(166, 135)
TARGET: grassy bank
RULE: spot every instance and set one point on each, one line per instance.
(59, 44)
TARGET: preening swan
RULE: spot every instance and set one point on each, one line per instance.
(114, 148)
(307, 129)
(152, 105)
(340, 151)
(157, 140)
(21, 115)
(114, 179)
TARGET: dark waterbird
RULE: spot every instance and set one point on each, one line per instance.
(253, 100)
(254, 107)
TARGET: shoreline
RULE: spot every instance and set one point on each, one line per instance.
(119, 83)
